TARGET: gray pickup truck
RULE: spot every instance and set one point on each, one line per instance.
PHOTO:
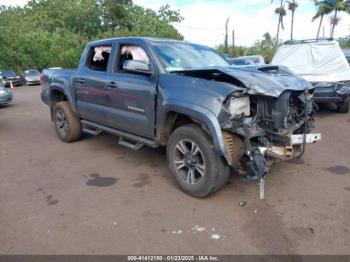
(210, 116)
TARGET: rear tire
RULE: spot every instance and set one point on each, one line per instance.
(344, 107)
(197, 169)
(67, 125)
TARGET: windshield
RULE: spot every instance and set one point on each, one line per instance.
(182, 56)
(8, 73)
(32, 73)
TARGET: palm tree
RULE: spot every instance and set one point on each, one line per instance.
(323, 8)
(334, 22)
(338, 6)
(292, 6)
(281, 12)
(326, 7)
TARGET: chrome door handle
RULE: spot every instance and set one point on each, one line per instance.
(112, 84)
(81, 81)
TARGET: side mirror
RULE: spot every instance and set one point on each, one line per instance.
(137, 67)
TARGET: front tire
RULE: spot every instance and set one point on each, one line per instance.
(67, 125)
(197, 169)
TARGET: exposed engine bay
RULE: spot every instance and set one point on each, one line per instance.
(273, 127)
(272, 123)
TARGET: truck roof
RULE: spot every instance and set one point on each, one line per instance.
(141, 39)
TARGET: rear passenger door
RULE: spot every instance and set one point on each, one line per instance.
(131, 96)
(90, 82)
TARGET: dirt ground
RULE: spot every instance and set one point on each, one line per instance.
(96, 197)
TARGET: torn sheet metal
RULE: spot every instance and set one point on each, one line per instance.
(257, 80)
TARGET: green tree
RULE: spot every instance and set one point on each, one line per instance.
(167, 15)
(338, 6)
(265, 47)
(326, 7)
(48, 33)
(344, 43)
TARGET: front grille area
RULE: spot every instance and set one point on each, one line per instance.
(283, 113)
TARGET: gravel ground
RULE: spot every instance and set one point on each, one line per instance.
(96, 197)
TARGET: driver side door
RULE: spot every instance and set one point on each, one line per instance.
(131, 97)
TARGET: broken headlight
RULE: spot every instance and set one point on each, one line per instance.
(238, 106)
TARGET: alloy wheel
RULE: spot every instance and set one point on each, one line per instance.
(61, 122)
(189, 161)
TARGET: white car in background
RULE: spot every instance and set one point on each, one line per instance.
(323, 64)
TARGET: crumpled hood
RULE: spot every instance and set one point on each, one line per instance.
(267, 80)
(258, 80)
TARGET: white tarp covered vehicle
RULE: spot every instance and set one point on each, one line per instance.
(322, 63)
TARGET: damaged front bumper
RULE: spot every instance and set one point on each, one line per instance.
(276, 128)
(289, 152)
(257, 157)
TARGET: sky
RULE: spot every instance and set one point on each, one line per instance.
(204, 20)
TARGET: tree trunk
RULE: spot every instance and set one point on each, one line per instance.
(279, 24)
(319, 27)
(292, 26)
(226, 36)
(278, 31)
(334, 22)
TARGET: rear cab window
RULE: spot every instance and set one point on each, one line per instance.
(98, 58)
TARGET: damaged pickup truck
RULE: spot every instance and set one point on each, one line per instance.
(210, 116)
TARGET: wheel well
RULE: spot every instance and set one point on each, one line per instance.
(173, 121)
(57, 96)
(181, 120)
